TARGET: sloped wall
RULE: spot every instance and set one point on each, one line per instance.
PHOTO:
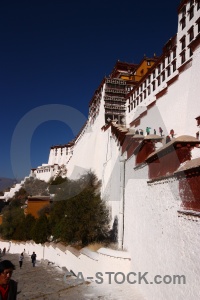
(160, 241)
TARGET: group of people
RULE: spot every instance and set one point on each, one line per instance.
(21, 258)
(2, 252)
(148, 130)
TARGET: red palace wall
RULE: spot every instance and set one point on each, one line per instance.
(189, 189)
(169, 163)
(144, 152)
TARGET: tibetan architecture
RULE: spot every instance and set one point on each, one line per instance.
(150, 180)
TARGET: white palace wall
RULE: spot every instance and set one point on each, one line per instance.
(85, 261)
(160, 241)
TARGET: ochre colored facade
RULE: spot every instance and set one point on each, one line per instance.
(143, 68)
(35, 204)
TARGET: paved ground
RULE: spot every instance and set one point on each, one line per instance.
(50, 283)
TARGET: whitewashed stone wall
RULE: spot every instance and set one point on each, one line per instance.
(87, 262)
(160, 241)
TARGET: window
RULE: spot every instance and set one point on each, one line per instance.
(198, 4)
(145, 83)
(183, 57)
(163, 76)
(148, 63)
(145, 94)
(168, 71)
(132, 106)
(169, 59)
(191, 12)
(149, 90)
(149, 79)
(191, 52)
(159, 69)
(191, 33)
(198, 25)
(174, 53)
(163, 64)
(182, 42)
(183, 23)
(153, 85)
(158, 79)
(154, 74)
(183, 12)
(140, 98)
(174, 66)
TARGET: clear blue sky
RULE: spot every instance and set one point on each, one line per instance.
(57, 52)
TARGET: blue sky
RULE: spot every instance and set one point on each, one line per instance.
(57, 52)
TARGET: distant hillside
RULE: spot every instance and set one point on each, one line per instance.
(6, 183)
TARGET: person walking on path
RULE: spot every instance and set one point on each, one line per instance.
(21, 257)
(33, 258)
(161, 131)
(148, 130)
(8, 287)
(172, 133)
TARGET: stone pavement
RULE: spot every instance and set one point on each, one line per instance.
(47, 282)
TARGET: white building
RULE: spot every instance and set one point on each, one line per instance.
(152, 187)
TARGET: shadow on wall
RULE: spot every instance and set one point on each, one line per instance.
(114, 231)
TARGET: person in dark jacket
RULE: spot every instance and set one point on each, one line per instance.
(172, 133)
(160, 131)
(8, 287)
(168, 139)
(33, 259)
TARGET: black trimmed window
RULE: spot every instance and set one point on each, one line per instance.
(174, 66)
(191, 33)
(198, 25)
(149, 90)
(153, 85)
(158, 79)
(174, 53)
(183, 57)
(191, 12)
(198, 4)
(183, 22)
(168, 71)
(145, 94)
(183, 12)
(183, 43)
(163, 76)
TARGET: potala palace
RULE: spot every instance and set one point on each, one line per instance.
(151, 182)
